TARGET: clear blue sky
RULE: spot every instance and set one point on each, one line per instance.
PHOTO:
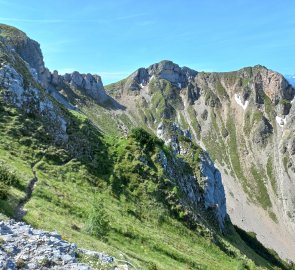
(114, 38)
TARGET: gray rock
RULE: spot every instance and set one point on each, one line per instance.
(262, 132)
(30, 51)
(172, 72)
(35, 249)
(167, 70)
(214, 194)
(88, 84)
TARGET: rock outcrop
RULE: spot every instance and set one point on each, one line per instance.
(23, 247)
(88, 84)
(29, 50)
(203, 188)
(17, 44)
(31, 99)
(166, 70)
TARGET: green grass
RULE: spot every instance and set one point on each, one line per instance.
(101, 117)
(61, 199)
(12, 35)
(214, 141)
(194, 122)
(234, 152)
(221, 90)
(115, 88)
(270, 174)
(141, 224)
(269, 255)
(262, 195)
(230, 78)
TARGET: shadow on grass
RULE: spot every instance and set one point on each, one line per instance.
(269, 255)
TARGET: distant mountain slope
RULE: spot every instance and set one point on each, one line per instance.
(245, 120)
(68, 164)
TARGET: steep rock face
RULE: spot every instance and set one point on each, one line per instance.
(29, 50)
(68, 87)
(72, 85)
(244, 119)
(203, 186)
(89, 84)
(214, 195)
(17, 42)
(172, 72)
(32, 100)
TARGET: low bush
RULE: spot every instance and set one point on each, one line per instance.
(7, 179)
(98, 223)
(145, 139)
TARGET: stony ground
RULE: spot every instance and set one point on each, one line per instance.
(22, 247)
(248, 216)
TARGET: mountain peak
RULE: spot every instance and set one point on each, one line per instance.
(11, 33)
(172, 72)
(165, 69)
(29, 50)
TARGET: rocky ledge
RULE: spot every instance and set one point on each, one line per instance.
(22, 247)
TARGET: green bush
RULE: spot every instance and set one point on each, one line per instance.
(152, 266)
(4, 190)
(7, 179)
(145, 138)
(98, 223)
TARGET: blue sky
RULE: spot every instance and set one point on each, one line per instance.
(114, 38)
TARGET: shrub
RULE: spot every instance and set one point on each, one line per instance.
(98, 223)
(45, 262)
(4, 190)
(145, 138)
(7, 179)
(152, 266)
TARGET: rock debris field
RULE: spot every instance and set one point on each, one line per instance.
(23, 247)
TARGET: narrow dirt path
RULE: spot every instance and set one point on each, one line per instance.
(20, 212)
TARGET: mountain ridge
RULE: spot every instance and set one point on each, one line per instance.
(257, 96)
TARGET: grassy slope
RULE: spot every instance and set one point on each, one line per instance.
(142, 228)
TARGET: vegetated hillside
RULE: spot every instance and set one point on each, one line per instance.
(245, 120)
(63, 168)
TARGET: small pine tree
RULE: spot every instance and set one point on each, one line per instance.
(98, 223)
(4, 190)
